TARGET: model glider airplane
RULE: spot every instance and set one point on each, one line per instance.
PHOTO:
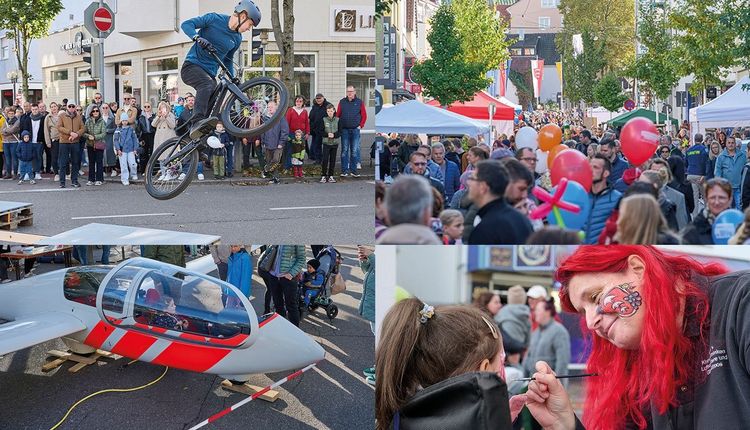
(154, 312)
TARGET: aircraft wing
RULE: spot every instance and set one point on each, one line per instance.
(25, 332)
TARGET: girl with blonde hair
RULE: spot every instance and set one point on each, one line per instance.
(641, 222)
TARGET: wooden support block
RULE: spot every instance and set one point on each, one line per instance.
(54, 364)
(248, 389)
(81, 361)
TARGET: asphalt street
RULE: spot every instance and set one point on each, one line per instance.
(334, 395)
(240, 211)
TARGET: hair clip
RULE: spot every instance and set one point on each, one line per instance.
(426, 313)
(493, 327)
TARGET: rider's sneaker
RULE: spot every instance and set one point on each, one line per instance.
(202, 127)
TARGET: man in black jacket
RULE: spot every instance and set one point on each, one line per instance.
(317, 113)
(499, 222)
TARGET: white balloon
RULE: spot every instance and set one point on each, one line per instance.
(541, 161)
(526, 138)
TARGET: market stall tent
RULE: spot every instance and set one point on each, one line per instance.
(477, 108)
(731, 109)
(619, 121)
(414, 117)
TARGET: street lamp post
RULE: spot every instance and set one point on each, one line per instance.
(263, 43)
(13, 77)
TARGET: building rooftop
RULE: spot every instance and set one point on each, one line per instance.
(543, 44)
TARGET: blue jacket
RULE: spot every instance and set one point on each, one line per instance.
(351, 113)
(602, 205)
(730, 168)
(240, 271)
(276, 135)
(25, 151)
(452, 180)
(214, 28)
(125, 139)
(618, 168)
(696, 158)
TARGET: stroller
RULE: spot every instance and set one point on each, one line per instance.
(330, 261)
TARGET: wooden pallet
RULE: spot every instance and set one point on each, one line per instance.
(80, 360)
(248, 389)
(11, 219)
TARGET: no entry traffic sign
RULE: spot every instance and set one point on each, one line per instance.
(103, 19)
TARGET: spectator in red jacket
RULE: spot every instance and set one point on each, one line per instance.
(297, 119)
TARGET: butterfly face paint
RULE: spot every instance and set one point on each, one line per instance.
(620, 300)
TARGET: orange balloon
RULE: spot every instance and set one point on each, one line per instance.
(553, 153)
(549, 136)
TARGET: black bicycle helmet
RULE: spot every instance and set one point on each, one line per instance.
(252, 10)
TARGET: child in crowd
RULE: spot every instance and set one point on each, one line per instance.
(453, 226)
(455, 347)
(25, 153)
(331, 140)
(312, 280)
(125, 143)
(217, 158)
(228, 142)
(298, 154)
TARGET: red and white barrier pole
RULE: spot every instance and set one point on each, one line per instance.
(215, 417)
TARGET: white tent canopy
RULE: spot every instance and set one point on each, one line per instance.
(731, 109)
(416, 117)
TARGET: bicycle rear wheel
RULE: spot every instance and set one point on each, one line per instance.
(253, 119)
(166, 180)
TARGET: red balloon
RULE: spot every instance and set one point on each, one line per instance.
(573, 165)
(639, 139)
(553, 153)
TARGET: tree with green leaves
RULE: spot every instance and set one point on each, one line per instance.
(447, 75)
(482, 35)
(608, 92)
(383, 7)
(581, 72)
(704, 46)
(25, 21)
(657, 68)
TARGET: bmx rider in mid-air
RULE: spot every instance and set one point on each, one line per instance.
(223, 34)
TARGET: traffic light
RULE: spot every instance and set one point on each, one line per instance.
(256, 48)
(87, 57)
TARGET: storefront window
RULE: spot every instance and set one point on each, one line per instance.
(162, 77)
(86, 88)
(303, 81)
(360, 72)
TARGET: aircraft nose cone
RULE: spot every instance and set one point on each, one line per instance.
(282, 346)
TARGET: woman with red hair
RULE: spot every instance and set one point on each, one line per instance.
(672, 344)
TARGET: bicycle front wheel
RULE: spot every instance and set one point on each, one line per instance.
(251, 120)
(171, 167)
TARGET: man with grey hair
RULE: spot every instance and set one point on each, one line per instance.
(696, 159)
(450, 172)
(432, 170)
(408, 204)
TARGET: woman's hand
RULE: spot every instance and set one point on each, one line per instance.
(547, 400)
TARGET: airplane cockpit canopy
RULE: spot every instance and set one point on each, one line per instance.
(169, 301)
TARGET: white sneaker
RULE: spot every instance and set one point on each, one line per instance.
(80, 173)
(344, 175)
(359, 166)
(331, 180)
(89, 183)
(26, 177)
(97, 183)
(38, 176)
(181, 177)
(126, 183)
(33, 182)
(57, 178)
(114, 173)
(134, 178)
(200, 176)
(323, 179)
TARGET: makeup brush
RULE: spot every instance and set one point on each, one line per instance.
(583, 375)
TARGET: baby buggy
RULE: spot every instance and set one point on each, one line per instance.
(312, 298)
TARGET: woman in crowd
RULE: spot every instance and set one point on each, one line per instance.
(662, 166)
(713, 153)
(297, 118)
(164, 124)
(722, 139)
(592, 150)
(11, 131)
(718, 193)
(110, 158)
(640, 222)
(664, 151)
(667, 355)
(95, 134)
(667, 206)
(52, 136)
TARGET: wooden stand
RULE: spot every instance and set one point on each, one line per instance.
(248, 389)
(11, 218)
(80, 360)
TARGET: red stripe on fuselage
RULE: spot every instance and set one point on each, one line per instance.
(190, 357)
(133, 344)
(98, 334)
(267, 320)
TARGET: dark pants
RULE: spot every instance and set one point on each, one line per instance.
(203, 84)
(285, 298)
(55, 155)
(268, 296)
(229, 166)
(329, 159)
(96, 164)
(69, 152)
(148, 148)
(38, 162)
(246, 152)
(48, 157)
(223, 269)
(81, 151)
(316, 147)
